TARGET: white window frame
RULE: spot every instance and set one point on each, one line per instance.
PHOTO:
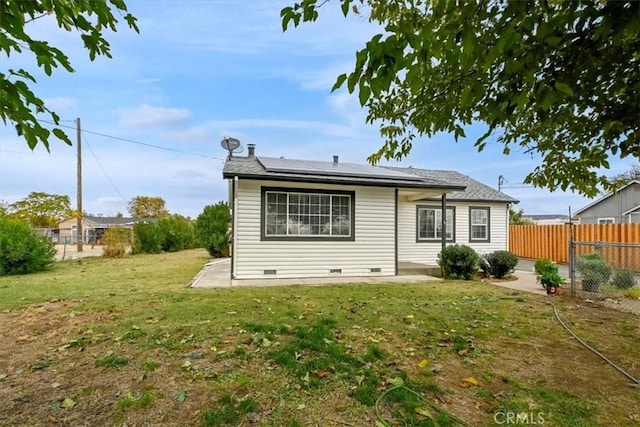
(437, 232)
(607, 220)
(486, 225)
(320, 219)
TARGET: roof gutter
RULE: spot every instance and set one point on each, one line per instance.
(372, 183)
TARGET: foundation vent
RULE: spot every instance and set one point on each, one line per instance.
(376, 270)
(335, 271)
(269, 272)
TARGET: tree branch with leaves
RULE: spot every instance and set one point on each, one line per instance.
(19, 105)
(558, 80)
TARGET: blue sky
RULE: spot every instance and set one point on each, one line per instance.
(202, 70)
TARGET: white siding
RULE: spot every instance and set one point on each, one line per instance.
(373, 246)
(427, 252)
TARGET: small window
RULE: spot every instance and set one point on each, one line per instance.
(479, 224)
(606, 220)
(429, 223)
(290, 214)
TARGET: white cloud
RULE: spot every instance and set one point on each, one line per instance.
(148, 116)
(195, 133)
(61, 104)
(326, 128)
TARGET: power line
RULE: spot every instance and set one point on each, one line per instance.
(138, 142)
(84, 137)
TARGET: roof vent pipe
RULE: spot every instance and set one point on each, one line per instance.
(252, 150)
(335, 160)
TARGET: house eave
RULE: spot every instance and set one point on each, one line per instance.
(465, 200)
(605, 197)
(338, 181)
(627, 212)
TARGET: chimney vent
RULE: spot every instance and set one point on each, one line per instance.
(252, 150)
(335, 160)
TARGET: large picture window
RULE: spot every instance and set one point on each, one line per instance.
(429, 223)
(479, 224)
(297, 214)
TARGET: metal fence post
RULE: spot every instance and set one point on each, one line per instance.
(572, 270)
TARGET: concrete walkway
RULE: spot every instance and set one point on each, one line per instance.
(217, 274)
(526, 282)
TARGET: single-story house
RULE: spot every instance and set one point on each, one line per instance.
(548, 219)
(622, 206)
(93, 228)
(299, 218)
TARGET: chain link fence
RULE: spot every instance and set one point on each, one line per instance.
(606, 272)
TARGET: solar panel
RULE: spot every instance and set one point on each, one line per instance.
(311, 167)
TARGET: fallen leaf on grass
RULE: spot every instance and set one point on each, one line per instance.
(396, 381)
(424, 412)
(467, 382)
(181, 396)
(68, 403)
(301, 406)
(320, 373)
(423, 363)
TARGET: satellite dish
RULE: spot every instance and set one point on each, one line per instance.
(232, 145)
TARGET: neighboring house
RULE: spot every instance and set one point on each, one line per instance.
(548, 219)
(622, 206)
(93, 227)
(298, 218)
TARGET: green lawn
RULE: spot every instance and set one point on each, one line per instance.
(109, 342)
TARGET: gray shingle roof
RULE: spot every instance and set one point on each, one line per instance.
(475, 190)
(109, 221)
(468, 189)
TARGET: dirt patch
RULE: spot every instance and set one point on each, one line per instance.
(65, 252)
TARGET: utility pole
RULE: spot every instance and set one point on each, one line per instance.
(79, 196)
(500, 182)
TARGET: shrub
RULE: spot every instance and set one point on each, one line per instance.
(115, 241)
(624, 279)
(593, 267)
(23, 250)
(147, 238)
(549, 275)
(633, 293)
(212, 229)
(500, 263)
(543, 264)
(458, 262)
(176, 233)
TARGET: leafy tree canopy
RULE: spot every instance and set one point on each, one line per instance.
(517, 218)
(557, 79)
(90, 18)
(632, 174)
(40, 209)
(147, 207)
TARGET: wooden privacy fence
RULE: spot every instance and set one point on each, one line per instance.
(552, 241)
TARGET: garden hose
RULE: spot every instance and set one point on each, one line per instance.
(602, 356)
(461, 422)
